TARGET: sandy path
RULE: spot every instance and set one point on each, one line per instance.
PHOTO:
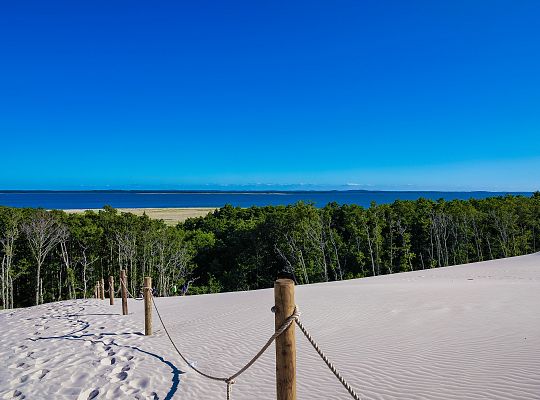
(463, 332)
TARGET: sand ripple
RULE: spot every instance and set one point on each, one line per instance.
(464, 332)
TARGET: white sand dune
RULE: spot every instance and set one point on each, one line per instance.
(464, 332)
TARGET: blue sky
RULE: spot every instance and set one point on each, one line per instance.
(351, 94)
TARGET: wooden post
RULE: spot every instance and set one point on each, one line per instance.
(95, 291)
(123, 285)
(111, 290)
(147, 292)
(285, 343)
(102, 293)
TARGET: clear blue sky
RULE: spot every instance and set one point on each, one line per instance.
(182, 94)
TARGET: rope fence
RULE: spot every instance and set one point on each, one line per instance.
(231, 379)
(129, 293)
(294, 317)
(115, 293)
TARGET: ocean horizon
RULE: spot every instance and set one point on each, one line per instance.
(96, 199)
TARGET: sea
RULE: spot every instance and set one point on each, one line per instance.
(193, 199)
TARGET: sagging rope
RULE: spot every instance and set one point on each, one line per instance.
(295, 316)
(327, 361)
(231, 379)
(129, 293)
(324, 357)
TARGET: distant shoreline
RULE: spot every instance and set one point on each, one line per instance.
(170, 215)
(86, 200)
(10, 191)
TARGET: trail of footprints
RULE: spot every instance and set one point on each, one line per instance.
(29, 366)
(26, 366)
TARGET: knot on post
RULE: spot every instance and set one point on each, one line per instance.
(229, 383)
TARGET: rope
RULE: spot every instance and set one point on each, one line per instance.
(327, 361)
(129, 293)
(231, 379)
(286, 324)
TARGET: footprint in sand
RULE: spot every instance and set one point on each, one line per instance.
(108, 361)
(20, 365)
(16, 394)
(39, 375)
(141, 383)
(23, 378)
(88, 394)
(120, 369)
(122, 376)
(148, 396)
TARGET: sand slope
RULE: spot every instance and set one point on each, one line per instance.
(463, 332)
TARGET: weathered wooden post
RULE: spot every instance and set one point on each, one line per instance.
(123, 287)
(147, 291)
(285, 343)
(102, 293)
(111, 290)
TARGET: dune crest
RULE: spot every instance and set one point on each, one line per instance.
(463, 332)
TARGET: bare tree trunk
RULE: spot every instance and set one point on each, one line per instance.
(41, 290)
(4, 283)
(67, 262)
(11, 290)
(358, 249)
(127, 251)
(7, 243)
(38, 284)
(84, 265)
(43, 233)
(59, 283)
(336, 253)
(477, 240)
(391, 233)
(370, 249)
(489, 247)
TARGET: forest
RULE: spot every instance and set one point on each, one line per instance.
(51, 255)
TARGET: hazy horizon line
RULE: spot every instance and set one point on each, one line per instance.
(259, 190)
